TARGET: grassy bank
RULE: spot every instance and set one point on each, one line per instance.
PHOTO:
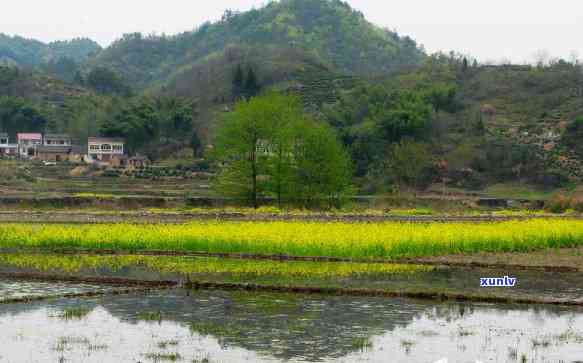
(343, 240)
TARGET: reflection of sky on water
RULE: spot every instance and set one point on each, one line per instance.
(234, 327)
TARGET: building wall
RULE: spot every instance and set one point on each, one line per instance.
(53, 156)
(57, 142)
(27, 145)
(103, 151)
(6, 150)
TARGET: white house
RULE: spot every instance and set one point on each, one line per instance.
(6, 148)
(105, 149)
(57, 140)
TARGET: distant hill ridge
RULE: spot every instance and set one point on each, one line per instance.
(16, 50)
(329, 30)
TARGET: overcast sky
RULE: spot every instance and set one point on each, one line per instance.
(489, 30)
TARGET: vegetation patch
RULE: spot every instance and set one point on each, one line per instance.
(74, 313)
(163, 357)
(237, 267)
(336, 239)
(150, 316)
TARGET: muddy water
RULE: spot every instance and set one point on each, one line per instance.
(241, 327)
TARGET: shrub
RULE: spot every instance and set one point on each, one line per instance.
(577, 204)
(558, 204)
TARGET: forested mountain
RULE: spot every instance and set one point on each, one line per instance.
(15, 50)
(36, 102)
(406, 118)
(328, 30)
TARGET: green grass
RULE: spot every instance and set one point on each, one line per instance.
(150, 316)
(74, 313)
(517, 191)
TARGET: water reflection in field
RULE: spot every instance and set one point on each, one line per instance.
(11, 289)
(237, 327)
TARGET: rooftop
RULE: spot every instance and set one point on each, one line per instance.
(29, 136)
(105, 139)
(57, 136)
(55, 149)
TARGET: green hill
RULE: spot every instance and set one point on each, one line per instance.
(330, 31)
(15, 50)
(36, 86)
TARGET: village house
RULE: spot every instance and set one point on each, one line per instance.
(59, 147)
(7, 149)
(138, 161)
(106, 150)
(59, 153)
(28, 144)
(57, 140)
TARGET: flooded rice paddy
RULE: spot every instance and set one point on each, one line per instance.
(531, 284)
(212, 326)
(187, 325)
(18, 289)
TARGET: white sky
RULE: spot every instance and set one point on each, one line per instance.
(489, 30)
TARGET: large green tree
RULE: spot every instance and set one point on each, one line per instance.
(268, 147)
(323, 170)
(406, 162)
(238, 149)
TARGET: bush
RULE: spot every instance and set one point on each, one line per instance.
(558, 204)
(577, 204)
(111, 173)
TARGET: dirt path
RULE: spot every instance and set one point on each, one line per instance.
(139, 217)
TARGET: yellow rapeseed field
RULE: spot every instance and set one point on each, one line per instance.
(180, 265)
(346, 240)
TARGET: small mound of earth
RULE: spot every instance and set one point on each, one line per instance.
(79, 171)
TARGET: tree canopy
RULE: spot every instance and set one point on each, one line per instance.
(267, 147)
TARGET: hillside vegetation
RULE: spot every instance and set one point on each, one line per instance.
(15, 50)
(329, 30)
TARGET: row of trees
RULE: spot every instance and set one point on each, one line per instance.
(267, 147)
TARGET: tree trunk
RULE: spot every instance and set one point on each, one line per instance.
(279, 178)
(254, 177)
